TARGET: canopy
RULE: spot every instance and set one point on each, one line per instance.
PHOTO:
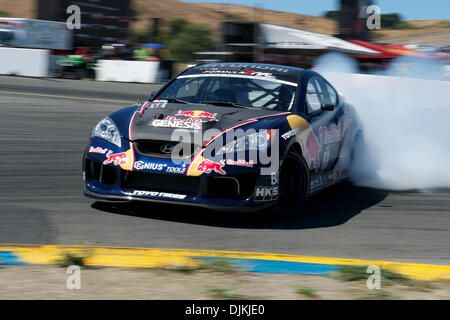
(278, 37)
(388, 51)
(153, 46)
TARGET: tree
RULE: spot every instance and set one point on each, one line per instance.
(184, 38)
(390, 20)
(181, 37)
(334, 15)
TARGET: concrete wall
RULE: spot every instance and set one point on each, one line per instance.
(127, 71)
(24, 62)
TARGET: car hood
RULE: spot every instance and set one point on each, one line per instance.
(159, 123)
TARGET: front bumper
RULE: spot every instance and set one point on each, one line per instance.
(231, 192)
(230, 206)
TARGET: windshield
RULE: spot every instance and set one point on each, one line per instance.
(244, 92)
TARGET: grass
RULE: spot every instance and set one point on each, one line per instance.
(307, 292)
(357, 273)
(351, 273)
(69, 259)
(217, 265)
(388, 277)
(223, 293)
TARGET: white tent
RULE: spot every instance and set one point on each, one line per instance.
(278, 37)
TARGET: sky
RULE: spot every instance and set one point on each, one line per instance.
(409, 9)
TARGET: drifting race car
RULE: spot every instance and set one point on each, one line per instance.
(227, 136)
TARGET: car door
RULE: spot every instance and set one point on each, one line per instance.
(323, 140)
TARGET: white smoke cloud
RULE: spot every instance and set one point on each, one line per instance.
(406, 124)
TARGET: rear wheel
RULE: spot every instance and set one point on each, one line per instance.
(293, 185)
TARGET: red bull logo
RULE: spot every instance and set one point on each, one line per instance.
(312, 151)
(186, 113)
(197, 114)
(205, 114)
(207, 166)
(116, 158)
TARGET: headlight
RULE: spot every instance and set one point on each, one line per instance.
(106, 129)
(255, 141)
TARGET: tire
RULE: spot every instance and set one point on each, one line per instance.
(293, 185)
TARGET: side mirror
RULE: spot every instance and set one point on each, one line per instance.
(327, 107)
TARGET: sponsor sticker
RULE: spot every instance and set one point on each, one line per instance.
(239, 72)
(274, 178)
(197, 114)
(116, 159)
(158, 194)
(290, 133)
(312, 150)
(98, 150)
(241, 163)
(141, 165)
(175, 170)
(157, 104)
(266, 193)
(172, 122)
(207, 166)
(330, 134)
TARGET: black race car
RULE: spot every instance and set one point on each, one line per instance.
(230, 136)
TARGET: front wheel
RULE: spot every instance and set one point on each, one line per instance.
(293, 185)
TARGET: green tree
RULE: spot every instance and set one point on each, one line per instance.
(181, 37)
(184, 38)
(390, 20)
(334, 15)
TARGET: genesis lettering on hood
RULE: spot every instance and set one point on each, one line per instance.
(172, 122)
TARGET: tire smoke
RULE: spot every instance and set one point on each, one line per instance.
(406, 124)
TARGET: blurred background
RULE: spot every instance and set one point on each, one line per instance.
(165, 37)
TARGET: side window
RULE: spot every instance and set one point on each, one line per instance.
(314, 94)
(332, 95)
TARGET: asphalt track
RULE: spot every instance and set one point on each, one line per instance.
(45, 125)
